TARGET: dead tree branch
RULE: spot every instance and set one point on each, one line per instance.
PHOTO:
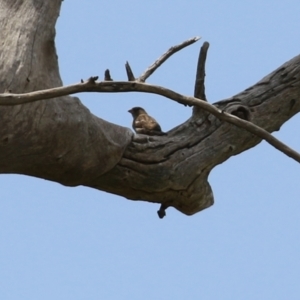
(107, 76)
(164, 57)
(200, 76)
(129, 72)
(124, 86)
(62, 141)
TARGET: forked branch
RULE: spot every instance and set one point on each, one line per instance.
(164, 57)
(109, 86)
(62, 141)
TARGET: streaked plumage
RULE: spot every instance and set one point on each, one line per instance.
(143, 123)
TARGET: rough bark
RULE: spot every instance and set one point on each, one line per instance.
(60, 140)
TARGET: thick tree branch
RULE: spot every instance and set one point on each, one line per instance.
(119, 86)
(43, 138)
(60, 140)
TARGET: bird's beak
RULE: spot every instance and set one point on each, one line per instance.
(130, 111)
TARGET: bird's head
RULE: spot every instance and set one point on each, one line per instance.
(136, 111)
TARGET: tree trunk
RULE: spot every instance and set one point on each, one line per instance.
(60, 140)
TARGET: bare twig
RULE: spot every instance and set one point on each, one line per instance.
(164, 57)
(107, 76)
(200, 76)
(129, 72)
(93, 79)
(125, 86)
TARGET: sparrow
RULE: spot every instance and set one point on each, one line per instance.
(143, 123)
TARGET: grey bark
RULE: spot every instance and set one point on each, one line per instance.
(60, 140)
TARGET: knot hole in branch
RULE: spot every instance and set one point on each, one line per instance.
(240, 111)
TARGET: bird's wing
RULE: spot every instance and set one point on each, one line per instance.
(146, 122)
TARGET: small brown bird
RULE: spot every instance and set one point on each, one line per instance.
(143, 123)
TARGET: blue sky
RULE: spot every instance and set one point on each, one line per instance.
(78, 243)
